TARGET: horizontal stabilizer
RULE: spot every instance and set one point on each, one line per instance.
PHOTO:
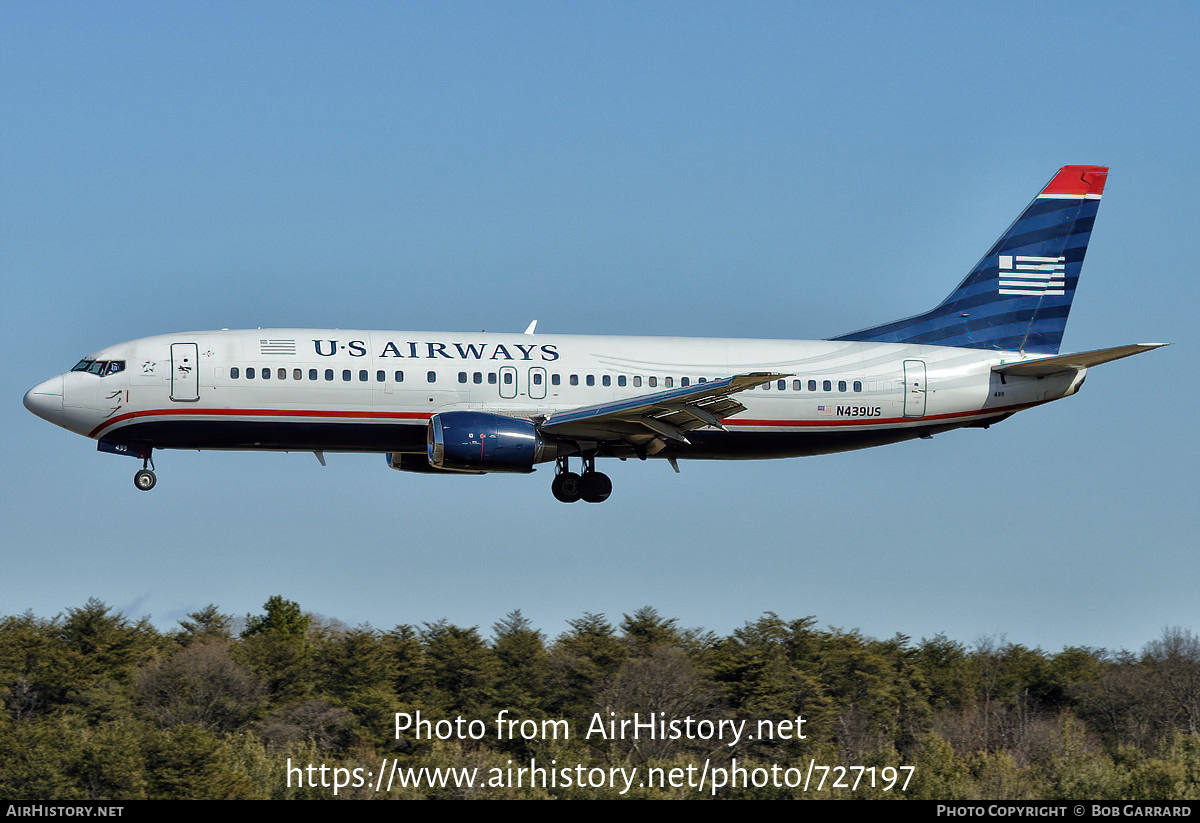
(1068, 362)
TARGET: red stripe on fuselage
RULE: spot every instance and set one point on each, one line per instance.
(193, 412)
(868, 421)
(385, 416)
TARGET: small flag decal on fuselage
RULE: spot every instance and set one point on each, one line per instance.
(277, 346)
(1032, 275)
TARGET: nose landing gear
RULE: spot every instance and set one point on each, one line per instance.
(592, 486)
(145, 478)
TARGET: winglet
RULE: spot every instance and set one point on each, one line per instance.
(532, 326)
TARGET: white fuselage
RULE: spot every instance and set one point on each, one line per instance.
(374, 391)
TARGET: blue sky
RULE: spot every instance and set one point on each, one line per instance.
(703, 169)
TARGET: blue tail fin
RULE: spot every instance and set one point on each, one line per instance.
(1018, 296)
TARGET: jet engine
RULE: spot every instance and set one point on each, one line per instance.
(416, 462)
(469, 441)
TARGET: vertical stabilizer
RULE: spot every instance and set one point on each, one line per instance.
(1018, 296)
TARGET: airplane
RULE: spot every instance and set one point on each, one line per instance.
(440, 402)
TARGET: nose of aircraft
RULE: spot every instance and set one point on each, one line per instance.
(46, 399)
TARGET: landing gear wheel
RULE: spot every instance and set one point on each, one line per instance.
(596, 487)
(144, 480)
(566, 487)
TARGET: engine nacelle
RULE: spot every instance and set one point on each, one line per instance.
(416, 462)
(477, 441)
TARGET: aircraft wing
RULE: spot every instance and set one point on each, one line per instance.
(1066, 362)
(667, 415)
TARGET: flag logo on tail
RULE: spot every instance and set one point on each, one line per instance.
(1032, 275)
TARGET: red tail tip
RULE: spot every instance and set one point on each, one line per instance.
(1078, 180)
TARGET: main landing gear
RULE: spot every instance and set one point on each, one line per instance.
(591, 486)
(145, 478)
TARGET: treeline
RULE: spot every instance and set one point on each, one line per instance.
(99, 706)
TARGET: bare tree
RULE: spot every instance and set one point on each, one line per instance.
(1174, 660)
(201, 685)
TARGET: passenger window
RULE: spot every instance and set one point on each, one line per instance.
(669, 382)
(652, 382)
(477, 378)
(606, 380)
(685, 382)
(380, 376)
(399, 376)
(329, 374)
(812, 385)
(297, 374)
(312, 374)
(841, 385)
(702, 380)
(491, 378)
(620, 380)
(637, 381)
(574, 380)
(858, 385)
(250, 373)
(537, 379)
(462, 377)
(797, 385)
(283, 374)
(430, 377)
(591, 379)
(266, 374)
(781, 385)
(508, 378)
(555, 379)
(346, 376)
(827, 385)
(233, 373)
(362, 375)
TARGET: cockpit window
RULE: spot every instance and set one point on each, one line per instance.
(103, 368)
